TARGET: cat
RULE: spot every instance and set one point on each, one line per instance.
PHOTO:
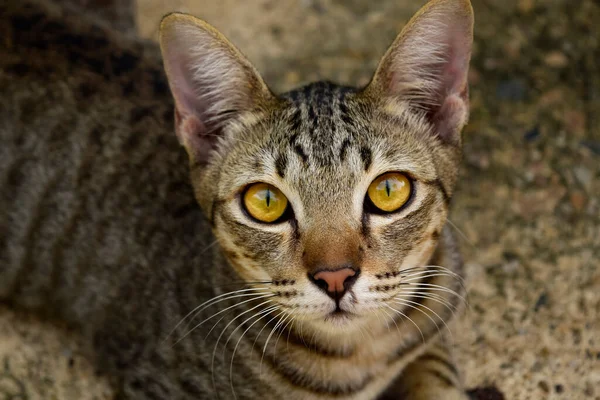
(309, 256)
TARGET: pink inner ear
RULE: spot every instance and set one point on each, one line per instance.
(211, 82)
(455, 71)
(187, 101)
(450, 118)
(195, 93)
(192, 134)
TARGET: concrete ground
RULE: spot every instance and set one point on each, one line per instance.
(528, 206)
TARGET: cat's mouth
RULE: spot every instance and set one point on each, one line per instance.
(338, 316)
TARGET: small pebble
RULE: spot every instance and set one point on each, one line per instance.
(542, 301)
(525, 6)
(556, 59)
(583, 176)
(578, 200)
(592, 145)
(532, 134)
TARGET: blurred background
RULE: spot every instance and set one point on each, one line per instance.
(528, 203)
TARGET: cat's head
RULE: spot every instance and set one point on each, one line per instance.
(329, 195)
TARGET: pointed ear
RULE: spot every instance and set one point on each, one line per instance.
(212, 83)
(427, 66)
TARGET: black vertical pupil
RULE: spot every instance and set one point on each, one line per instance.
(268, 198)
(387, 187)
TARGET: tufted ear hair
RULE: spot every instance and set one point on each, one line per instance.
(212, 83)
(427, 65)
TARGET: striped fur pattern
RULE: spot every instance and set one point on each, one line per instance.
(101, 228)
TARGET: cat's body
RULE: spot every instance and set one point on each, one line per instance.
(100, 228)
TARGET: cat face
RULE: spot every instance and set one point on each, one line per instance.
(332, 198)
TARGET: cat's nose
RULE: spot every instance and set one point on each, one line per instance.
(335, 283)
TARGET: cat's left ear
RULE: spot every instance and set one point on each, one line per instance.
(426, 67)
(213, 84)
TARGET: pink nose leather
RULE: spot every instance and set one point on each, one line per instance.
(335, 279)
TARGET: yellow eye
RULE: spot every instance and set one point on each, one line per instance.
(265, 202)
(390, 191)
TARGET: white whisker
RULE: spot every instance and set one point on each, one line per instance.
(302, 335)
(408, 302)
(407, 317)
(261, 315)
(428, 275)
(264, 313)
(460, 232)
(362, 332)
(392, 318)
(438, 288)
(422, 312)
(281, 321)
(283, 328)
(288, 335)
(431, 271)
(439, 300)
(212, 364)
(221, 312)
(379, 319)
(208, 247)
(428, 269)
(212, 301)
(267, 342)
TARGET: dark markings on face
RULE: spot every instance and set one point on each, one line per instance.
(320, 115)
(411, 227)
(345, 112)
(298, 148)
(364, 226)
(216, 204)
(257, 165)
(447, 198)
(254, 244)
(296, 232)
(281, 164)
(366, 156)
(300, 151)
(296, 120)
(230, 254)
(344, 149)
(424, 209)
(251, 256)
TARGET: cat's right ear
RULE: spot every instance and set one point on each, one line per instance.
(427, 66)
(212, 83)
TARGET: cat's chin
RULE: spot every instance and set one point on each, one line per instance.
(341, 327)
